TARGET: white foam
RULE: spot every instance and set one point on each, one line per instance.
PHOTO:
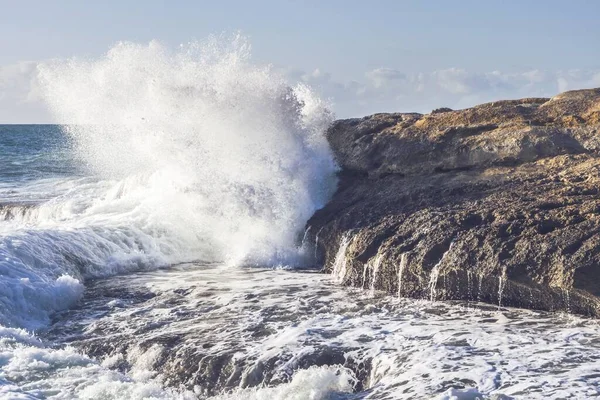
(409, 349)
(462, 394)
(314, 383)
(29, 370)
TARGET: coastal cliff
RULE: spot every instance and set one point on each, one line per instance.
(497, 203)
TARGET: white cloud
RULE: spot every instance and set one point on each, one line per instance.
(19, 95)
(461, 82)
(382, 76)
(380, 90)
(391, 90)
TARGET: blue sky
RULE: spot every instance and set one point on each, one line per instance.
(364, 56)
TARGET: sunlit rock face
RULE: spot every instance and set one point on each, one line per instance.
(497, 203)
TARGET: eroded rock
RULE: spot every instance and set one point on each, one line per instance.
(497, 203)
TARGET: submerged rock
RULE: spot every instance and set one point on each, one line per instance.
(496, 203)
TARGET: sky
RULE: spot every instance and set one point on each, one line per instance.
(363, 57)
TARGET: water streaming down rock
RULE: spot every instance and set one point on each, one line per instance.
(501, 285)
(434, 275)
(365, 275)
(339, 267)
(15, 211)
(401, 268)
(374, 265)
(315, 247)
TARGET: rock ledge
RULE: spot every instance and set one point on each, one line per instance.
(496, 203)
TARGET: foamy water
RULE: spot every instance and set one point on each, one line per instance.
(213, 332)
(148, 249)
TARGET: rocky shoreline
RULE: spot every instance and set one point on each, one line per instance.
(497, 203)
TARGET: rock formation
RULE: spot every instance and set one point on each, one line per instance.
(497, 203)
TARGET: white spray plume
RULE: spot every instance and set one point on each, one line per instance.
(216, 158)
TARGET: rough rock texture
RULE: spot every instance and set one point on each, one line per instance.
(497, 203)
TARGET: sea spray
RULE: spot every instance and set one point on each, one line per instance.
(216, 158)
(188, 155)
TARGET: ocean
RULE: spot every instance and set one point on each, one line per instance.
(154, 248)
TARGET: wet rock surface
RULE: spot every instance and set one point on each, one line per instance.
(497, 203)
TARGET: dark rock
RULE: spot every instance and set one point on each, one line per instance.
(441, 110)
(496, 203)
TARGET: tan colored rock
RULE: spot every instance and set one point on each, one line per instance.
(497, 203)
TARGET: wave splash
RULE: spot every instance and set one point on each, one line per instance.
(218, 156)
(193, 154)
